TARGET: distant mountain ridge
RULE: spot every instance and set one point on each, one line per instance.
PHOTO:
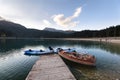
(1, 18)
(56, 30)
(52, 30)
(10, 29)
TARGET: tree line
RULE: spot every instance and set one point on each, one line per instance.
(10, 29)
(112, 31)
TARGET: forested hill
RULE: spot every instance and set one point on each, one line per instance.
(10, 29)
(113, 31)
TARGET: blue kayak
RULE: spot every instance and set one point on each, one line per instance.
(37, 52)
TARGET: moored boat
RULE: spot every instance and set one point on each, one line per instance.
(85, 59)
(39, 52)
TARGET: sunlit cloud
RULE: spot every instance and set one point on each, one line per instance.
(61, 20)
(15, 12)
(37, 13)
(46, 23)
(77, 12)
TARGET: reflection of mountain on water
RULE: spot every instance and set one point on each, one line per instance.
(111, 47)
(9, 44)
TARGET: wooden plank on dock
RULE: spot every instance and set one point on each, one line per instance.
(50, 67)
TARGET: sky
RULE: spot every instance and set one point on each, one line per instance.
(62, 14)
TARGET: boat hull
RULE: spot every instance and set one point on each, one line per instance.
(75, 60)
(37, 52)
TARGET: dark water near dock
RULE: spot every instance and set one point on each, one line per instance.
(14, 65)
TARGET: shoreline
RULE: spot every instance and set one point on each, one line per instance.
(103, 39)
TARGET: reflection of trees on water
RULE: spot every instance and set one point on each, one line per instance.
(9, 44)
(111, 47)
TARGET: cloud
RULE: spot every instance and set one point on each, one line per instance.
(46, 23)
(77, 12)
(68, 21)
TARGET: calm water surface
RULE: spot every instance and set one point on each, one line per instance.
(14, 65)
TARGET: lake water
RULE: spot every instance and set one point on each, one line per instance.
(14, 65)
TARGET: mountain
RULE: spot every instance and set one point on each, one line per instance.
(1, 18)
(52, 30)
(11, 29)
(56, 30)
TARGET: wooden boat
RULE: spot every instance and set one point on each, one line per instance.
(84, 59)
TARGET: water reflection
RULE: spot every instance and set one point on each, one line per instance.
(13, 61)
(6, 45)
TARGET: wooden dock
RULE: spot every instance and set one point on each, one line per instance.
(50, 67)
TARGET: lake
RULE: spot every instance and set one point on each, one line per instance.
(14, 65)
